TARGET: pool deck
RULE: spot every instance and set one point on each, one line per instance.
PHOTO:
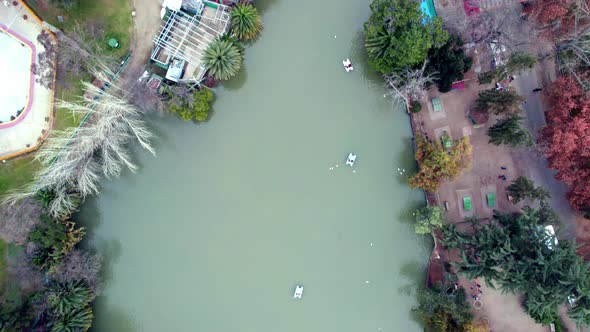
(27, 131)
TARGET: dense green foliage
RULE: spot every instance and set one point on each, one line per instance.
(399, 35)
(415, 107)
(223, 58)
(498, 101)
(448, 63)
(509, 131)
(523, 188)
(190, 105)
(69, 308)
(245, 21)
(516, 254)
(438, 164)
(428, 218)
(54, 239)
(443, 308)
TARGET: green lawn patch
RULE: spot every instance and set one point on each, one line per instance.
(112, 15)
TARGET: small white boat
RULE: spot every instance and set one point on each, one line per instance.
(298, 292)
(347, 65)
(351, 158)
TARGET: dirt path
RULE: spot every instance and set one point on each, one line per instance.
(147, 22)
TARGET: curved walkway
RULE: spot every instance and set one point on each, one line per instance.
(28, 132)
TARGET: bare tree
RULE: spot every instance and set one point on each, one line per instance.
(80, 265)
(16, 222)
(20, 268)
(501, 26)
(408, 84)
(47, 60)
(74, 160)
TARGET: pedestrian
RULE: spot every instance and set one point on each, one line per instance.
(537, 89)
(504, 168)
(499, 177)
(524, 102)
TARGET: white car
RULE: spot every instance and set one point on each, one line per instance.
(350, 160)
(347, 65)
(298, 292)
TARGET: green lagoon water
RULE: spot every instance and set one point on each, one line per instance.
(214, 233)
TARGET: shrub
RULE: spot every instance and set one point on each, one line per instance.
(415, 107)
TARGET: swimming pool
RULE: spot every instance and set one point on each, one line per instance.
(427, 7)
(16, 82)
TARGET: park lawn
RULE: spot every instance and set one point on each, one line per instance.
(113, 15)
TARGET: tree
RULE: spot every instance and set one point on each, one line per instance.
(523, 188)
(223, 59)
(79, 265)
(190, 105)
(437, 164)
(69, 306)
(517, 63)
(448, 63)
(565, 140)
(428, 218)
(75, 159)
(498, 101)
(408, 85)
(508, 131)
(399, 35)
(444, 308)
(67, 297)
(77, 320)
(54, 240)
(518, 255)
(245, 22)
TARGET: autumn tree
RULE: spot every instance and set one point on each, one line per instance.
(437, 164)
(566, 138)
(509, 131)
(523, 188)
(498, 101)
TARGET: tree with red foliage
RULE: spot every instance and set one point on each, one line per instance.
(565, 140)
(557, 17)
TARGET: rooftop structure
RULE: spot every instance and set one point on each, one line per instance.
(186, 34)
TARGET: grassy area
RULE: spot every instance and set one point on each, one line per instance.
(115, 17)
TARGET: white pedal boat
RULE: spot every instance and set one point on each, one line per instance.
(347, 65)
(298, 292)
(351, 158)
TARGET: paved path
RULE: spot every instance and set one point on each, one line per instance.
(533, 162)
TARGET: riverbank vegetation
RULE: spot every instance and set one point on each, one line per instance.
(55, 281)
(516, 253)
(444, 308)
(437, 164)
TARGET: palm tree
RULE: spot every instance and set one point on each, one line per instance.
(223, 59)
(245, 21)
(65, 298)
(77, 320)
